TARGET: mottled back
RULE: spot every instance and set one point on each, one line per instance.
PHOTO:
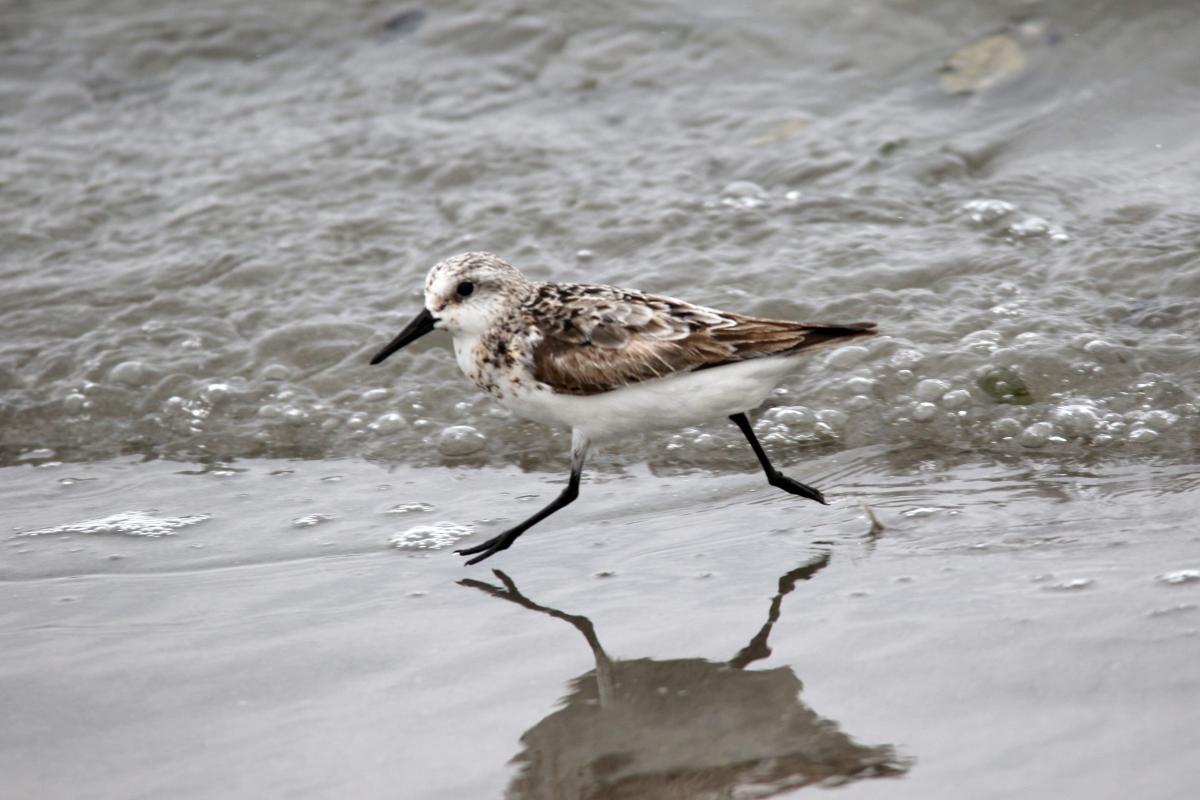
(598, 338)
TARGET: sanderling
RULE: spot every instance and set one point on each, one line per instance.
(606, 361)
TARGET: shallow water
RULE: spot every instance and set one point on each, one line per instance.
(1016, 627)
(225, 537)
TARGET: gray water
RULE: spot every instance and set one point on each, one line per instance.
(226, 563)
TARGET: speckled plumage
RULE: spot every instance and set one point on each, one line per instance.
(586, 339)
(606, 361)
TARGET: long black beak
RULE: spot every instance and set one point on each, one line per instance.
(420, 326)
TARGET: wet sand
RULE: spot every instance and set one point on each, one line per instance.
(1022, 627)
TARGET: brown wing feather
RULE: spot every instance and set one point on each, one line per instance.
(597, 338)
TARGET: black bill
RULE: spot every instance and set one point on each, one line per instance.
(420, 326)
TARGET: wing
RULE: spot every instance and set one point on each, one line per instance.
(597, 338)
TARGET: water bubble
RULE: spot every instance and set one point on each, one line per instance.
(74, 403)
(930, 389)
(1004, 386)
(1159, 420)
(216, 392)
(460, 440)
(743, 194)
(982, 341)
(388, 423)
(1101, 350)
(906, 358)
(860, 402)
(130, 373)
(275, 372)
(1036, 434)
(373, 395)
(957, 398)
(832, 417)
(1141, 436)
(860, 385)
(924, 412)
(846, 356)
(1076, 418)
(792, 416)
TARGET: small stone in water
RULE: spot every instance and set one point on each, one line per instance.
(982, 64)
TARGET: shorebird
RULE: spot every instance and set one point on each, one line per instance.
(606, 361)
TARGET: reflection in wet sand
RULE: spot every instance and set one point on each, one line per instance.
(685, 728)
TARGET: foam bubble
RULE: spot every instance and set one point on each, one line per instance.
(430, 537)
(127, 523)
(987, 210)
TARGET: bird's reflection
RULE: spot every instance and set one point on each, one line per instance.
(689, 728)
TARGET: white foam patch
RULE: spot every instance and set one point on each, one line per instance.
(309, 520)
(1179, 577)
(127, 523)
(431, 537)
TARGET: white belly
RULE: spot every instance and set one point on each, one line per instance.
(672, 402)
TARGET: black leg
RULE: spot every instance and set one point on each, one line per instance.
(494, 545)
(774, 476)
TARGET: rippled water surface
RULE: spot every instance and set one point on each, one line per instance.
(225, 543)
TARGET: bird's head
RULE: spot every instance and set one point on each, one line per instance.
(464, 294)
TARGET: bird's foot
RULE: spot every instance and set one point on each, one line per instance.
(793, 486)
(487, 549)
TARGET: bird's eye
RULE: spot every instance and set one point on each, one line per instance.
(465, 288)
